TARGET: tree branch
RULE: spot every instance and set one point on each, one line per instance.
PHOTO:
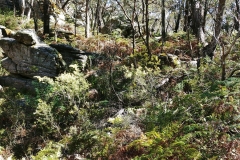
(65, 4)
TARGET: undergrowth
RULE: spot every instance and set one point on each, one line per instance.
(142, 108)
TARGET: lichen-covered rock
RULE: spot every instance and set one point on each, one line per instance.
(9, 65)
(169, 59)
(70, 54)
(36, 60)
(27, 37)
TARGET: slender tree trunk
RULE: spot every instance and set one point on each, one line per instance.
(163, 22)
(154, 25)
(133, 26)
(202, 10)
(195, 17)
(205, 14)
(225, 54)
(223, 63)
(14, 7)
(186, 16)
(210, 48)
(133, 31)
(65, 4)
(177, 23)
(35, 18)
(219, 18)
(75, 20)
(46, 18)
(29, 10)
(87, 27)
(147, 27)
(23, 7)
(186, 27)
(197, 20)
(237, 16)
(96, 21)
(178, 16)
(143, 15)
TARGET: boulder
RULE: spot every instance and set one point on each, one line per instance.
(169, 59)
(27, 37)
(70, 54)
(20, 83)
(26, 56)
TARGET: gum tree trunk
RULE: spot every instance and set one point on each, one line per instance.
(87, 21)
(147, 27)
(209, 49)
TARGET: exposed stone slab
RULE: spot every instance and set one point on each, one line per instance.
(27, 37)
(28, 57)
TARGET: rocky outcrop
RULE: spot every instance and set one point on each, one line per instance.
(21, 83)
(27, 56)
(70, 54)
(27, 37)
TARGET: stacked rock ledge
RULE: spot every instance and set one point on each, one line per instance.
(25, 55)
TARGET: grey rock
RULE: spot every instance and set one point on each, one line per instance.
(30, 61)
(20, 83)
(9, 65)
(70, 54)
(169, 59)
(27, 37)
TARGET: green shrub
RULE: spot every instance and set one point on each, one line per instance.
(142, 89)
(167, 144)
(59, 100)
(8, 19)
(3, 71)
(144, 60)
(52, 151)
(15, 118)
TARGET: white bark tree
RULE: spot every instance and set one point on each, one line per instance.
(87, 19)
(25, 6)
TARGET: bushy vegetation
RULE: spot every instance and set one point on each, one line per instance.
(14, 21)
(127, 106)
(6, 19)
